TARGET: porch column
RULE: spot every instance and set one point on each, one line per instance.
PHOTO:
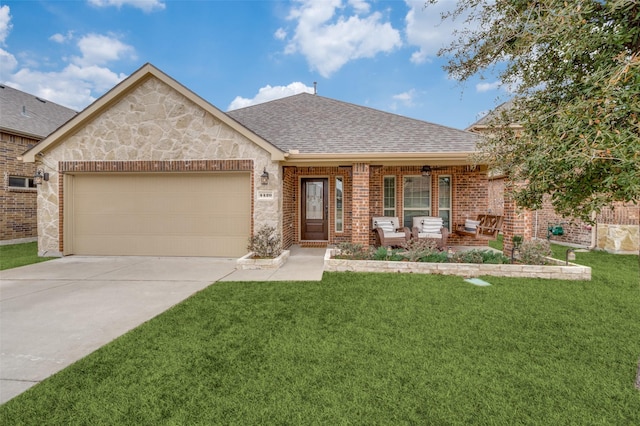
(360, 220)
(517, 221)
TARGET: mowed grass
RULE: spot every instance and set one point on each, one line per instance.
(14, 255)
(368, 349)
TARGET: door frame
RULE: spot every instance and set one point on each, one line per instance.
(326, 206)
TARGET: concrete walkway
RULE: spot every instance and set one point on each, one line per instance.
(56, 312)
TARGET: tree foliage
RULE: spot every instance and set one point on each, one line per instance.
(574, 67)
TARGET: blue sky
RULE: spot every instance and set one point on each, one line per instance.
(380, 54)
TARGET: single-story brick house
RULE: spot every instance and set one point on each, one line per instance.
(151, 168)
(25, 120)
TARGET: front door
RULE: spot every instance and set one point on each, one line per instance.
(314, 208)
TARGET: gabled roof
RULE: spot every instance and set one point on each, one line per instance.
(27, 115)
(315, 126)
(121, 90)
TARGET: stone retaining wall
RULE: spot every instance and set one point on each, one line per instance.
(467, 270)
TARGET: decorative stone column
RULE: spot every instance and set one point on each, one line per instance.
(360, 205)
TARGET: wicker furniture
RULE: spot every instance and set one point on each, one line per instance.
(430, 228)
(388, 232)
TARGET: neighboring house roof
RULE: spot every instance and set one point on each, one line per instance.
(28, 115)
(492, 118)
(121, 90)
(316, 126)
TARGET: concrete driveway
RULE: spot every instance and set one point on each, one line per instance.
(56, 312)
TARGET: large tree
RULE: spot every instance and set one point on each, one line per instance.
(574, 67)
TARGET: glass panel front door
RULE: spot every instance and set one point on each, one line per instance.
(314, 208)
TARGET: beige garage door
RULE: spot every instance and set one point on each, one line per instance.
(158, 214)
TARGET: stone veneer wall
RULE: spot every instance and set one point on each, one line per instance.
(152, 123)
(17, 205)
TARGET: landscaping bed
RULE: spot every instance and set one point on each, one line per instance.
(554, 269)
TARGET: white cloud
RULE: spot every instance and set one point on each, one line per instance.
(5, 23)
(426, 30)
(99, 49)
(144, 5)
(280, 34)
(407, 97)
(74, 87)
(79, 82)
(486, 87)
(360, 6)
(61, 38)
(329, 39)
(269, 93)
(8, 63)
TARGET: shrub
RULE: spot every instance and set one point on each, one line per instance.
(265, 243)
(352, 251)
(383, 254)
(415, 250)
(435, 257)
(533, 252)
(470, 256)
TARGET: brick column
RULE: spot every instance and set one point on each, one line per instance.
(517, 221)
(361, 220)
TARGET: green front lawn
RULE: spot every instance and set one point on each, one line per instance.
(14, 255)
(368, 349)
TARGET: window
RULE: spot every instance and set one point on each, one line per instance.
(389, 196)
(21, 182)
(417, 198)
(339, 205)
(444, 200)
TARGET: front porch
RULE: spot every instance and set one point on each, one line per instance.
(326, 205)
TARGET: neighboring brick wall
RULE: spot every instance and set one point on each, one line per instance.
(18, 210)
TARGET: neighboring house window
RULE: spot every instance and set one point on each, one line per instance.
(389, 195)
(417, 198)
(444, 200)
(21, 182)
(339, 205)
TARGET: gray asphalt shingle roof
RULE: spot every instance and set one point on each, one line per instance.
(314, 124)
(27, 114)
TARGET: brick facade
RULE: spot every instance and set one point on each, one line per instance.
(18, 206)
(363, 198)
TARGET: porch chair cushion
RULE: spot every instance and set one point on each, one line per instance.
(386, 226)
(431, 226)
(471, 225)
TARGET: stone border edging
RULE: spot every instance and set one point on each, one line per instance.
(247, 261)
(467, 270)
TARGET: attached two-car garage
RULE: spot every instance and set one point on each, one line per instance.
(157, 214)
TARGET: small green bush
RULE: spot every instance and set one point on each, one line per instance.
(533, 252)
(383, 254)
(353, 251)
(480, 256)
(415, 250)
(265, 243)
(436, 257)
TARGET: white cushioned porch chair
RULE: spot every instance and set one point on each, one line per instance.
(388, 231)
(430, 228)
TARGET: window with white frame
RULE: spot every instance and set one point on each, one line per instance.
(417, 198)
(389, 196)
(444, 200)
(339, 204)
(21, 182)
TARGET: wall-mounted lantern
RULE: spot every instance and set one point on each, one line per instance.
(426, 170)
(264, 177)
(40, 176)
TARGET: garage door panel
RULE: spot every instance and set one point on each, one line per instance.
(162, 214)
